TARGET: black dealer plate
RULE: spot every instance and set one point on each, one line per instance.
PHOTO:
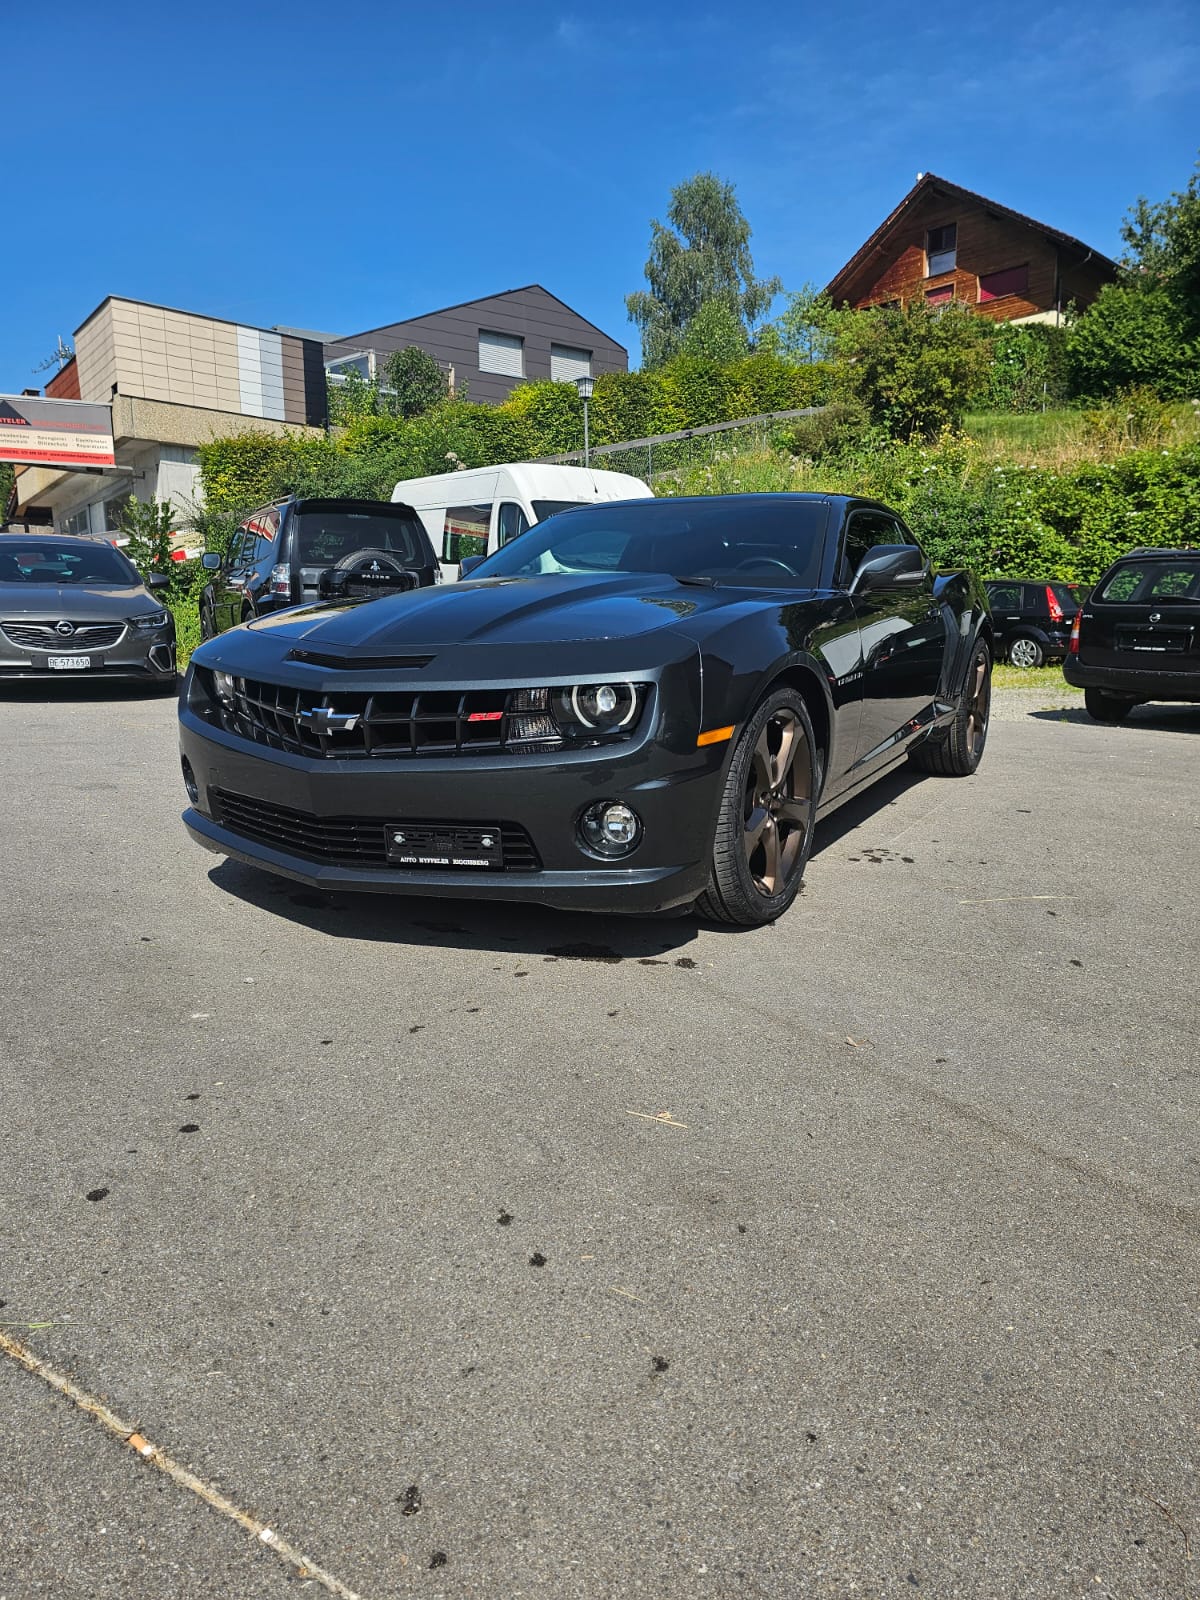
(443, 847)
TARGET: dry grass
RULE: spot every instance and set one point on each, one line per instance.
(1061, 440)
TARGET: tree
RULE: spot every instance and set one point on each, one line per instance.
(805, 332)
(148, 525)
(716, 333)
(1163, 239)
(916, 368)
(704, 255)
(415, 380)
(1132, 334)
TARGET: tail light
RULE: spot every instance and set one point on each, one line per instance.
(1073, 647)
(1056, 611)
(281, 581)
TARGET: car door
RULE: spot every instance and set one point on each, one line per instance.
(903, 641)
(227, 583)
(1005, 600)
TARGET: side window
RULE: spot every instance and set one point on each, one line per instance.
(865, 530)
(465, 531)
(270, 533)
(1005, 597)
(235, 555)
(512, 521)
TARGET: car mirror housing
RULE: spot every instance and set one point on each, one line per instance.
(468, 564)
(158, 580)
(210, 561)
(890, 566)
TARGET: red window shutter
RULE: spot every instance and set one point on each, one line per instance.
(995, 285)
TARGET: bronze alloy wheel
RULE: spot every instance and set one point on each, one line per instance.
(956, 751)
(765, 825)
(979, 705)
(777, 808)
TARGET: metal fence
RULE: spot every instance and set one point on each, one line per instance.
(665, 454)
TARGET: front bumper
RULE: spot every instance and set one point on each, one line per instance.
(675, 796)
(149, 658)
(1138, 684)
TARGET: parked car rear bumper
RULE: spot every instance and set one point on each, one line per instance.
(1137, 684)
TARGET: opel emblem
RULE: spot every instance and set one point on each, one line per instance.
(1156, 616)
(66, 629)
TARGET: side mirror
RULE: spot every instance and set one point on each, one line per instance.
(468, 564)
(890, 566)
(210, 561)
(158, 580)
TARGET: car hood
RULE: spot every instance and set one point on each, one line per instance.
(502, 611)
(78, 602)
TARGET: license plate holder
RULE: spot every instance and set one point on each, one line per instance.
(444, 847)
(72, 663)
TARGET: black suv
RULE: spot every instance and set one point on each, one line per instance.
(307, 550)
(1137, 637)
(1032, 620)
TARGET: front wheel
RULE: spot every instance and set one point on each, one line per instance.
(207, 626)
(1026, 652)
(764, 831)
(957, 752)
(1106, 707)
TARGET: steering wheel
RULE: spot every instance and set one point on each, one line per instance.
(757, 563)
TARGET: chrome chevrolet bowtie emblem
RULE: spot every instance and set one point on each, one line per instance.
(320, 719)
(65, 628)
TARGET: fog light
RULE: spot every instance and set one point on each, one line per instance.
(189, 781)
(610, 828)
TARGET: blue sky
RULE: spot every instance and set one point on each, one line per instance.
(342, 166)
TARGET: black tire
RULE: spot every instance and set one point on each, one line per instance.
(207, 627)
(1105, 707)
(1026, 652)
(957, 751)
(764, 831)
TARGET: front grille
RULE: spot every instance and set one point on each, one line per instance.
(344, 841)
(44, 636)
(341, 726)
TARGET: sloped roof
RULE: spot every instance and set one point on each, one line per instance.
(929, 183)
(350, 338)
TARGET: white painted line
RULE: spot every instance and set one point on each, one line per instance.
(99, 1412)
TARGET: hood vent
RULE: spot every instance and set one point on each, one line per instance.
(321, 658)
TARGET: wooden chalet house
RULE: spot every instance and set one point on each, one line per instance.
(944, 243)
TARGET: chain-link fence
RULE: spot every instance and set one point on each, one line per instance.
(668, 453)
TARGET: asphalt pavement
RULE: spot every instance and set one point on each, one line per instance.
(490, 1252)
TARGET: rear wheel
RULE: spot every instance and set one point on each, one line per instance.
(1105, 707)
(957, 752)
(1026, 652)
(764, 831)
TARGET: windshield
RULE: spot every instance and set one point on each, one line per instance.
(549, 508)
(1174, 579)
(324, 537)
(71, 561)
(742, 540)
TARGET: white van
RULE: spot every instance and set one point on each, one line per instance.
(473, 513)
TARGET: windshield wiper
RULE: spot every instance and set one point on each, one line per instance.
(696, 582)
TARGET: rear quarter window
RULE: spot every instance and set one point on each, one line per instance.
(1143, 581)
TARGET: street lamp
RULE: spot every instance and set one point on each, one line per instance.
(585, 385)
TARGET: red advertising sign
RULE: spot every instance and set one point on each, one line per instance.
(55, 433)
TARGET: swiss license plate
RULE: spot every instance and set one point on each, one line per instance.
(444, 848)
(69, 663)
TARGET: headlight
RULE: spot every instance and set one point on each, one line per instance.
(544, 719)
(150, 620)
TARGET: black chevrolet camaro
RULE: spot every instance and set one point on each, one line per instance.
(635, 706)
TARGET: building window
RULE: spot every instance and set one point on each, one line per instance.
(940, 296)
(110, 512)
(995, 285)
(941, 249)
(77, 524)
(567, 364)
(502, 353)
(360, 366)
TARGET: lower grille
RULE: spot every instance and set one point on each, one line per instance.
(343, 841)
(45, 636)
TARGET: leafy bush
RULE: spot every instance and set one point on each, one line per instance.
(1132, 334)
(1029, 368)
(915, 368)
